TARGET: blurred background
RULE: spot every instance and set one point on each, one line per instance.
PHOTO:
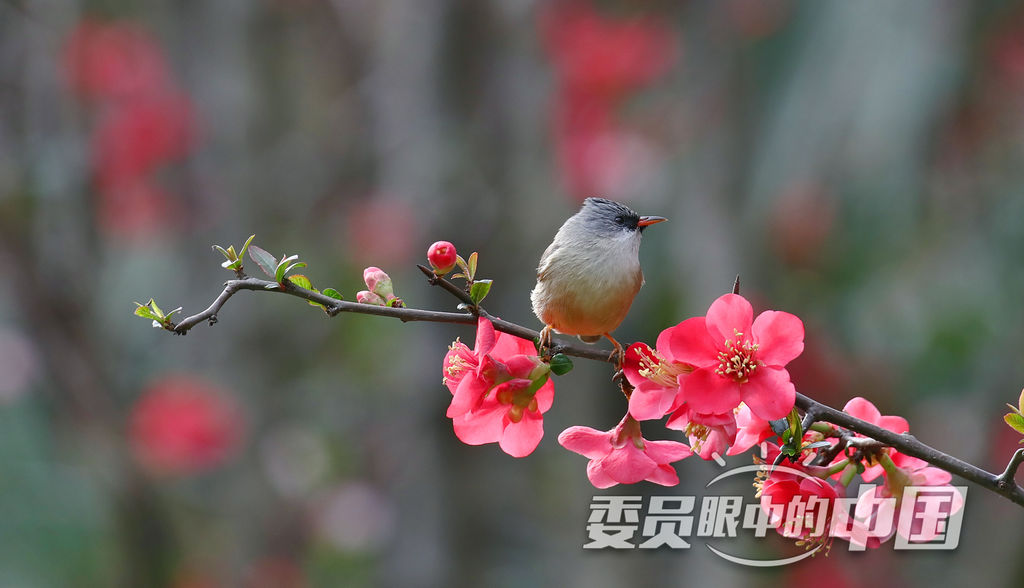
(858, 163)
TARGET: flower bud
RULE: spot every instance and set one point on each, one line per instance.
(442, 256)
(378, 282)
(365, 297)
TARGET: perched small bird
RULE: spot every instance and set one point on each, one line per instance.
(589, 275)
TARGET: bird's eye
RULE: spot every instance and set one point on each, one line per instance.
(619, 220)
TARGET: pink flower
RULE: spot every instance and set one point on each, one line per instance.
(737, 358)
(655, 375)
(500, 390)
(710, 435)
(623, 456)
(915, 471)
(442, 257)
(182, 424)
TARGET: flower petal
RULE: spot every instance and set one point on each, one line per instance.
(728, 314)
(589, 443)
(689, 342)
(628, 465)
(862, 409)
(520, 439)
(485, 337)
(650, 401)
(467, 395)
(707, 392)
(896, 424)
(545, 396)
(769, 393)
(665, 452)
(779, 336)
(480, 427)
(665, 475)
(598, 477)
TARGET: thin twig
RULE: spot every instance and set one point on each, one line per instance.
(334, 307)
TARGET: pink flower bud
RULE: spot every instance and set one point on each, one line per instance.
(442, 256)
(378, 282)
(365, 297)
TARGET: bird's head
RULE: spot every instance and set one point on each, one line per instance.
(607, 218)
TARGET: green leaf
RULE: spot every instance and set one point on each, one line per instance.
(332, 293)
(301, 281)
(817, 444)
(263, 259)
(156, 309)
(223, 252)
(472, 265)
(145, 311)
(478, 291)
(462, 264)
(560, 364)
(1015, 421)
(167, 317)
(282, 267)
(241, 253)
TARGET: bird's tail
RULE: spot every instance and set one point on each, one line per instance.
(590, 338)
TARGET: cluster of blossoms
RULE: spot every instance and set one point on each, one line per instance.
(721, 380)
(143, 121)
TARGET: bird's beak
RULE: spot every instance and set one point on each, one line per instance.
(650, 220)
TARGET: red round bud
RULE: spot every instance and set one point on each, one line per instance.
(442, 256)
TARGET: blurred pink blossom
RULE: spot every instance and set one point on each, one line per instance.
(182, 424)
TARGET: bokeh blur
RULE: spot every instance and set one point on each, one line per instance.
(859, 164)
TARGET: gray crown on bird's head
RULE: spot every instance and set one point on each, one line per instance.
(609, 216)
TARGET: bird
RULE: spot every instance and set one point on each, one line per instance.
(590, 273)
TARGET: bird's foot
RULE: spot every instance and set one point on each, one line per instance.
(618, 356)
(544, 341)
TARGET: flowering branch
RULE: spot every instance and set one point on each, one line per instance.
(1002, 484)
(505, 379)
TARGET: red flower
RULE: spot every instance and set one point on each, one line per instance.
(737, 358)
(623, 456)
(799, 504)
(500, 390)
(182, 424)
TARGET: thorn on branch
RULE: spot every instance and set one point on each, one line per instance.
(736, 285)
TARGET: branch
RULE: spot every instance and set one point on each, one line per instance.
(334, 307)
(906, 443)
(815, 411)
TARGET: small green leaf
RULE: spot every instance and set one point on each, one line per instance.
(156, 309)
(1015, 421)
(241, 253)
(145, 311)
(223, 252)
(472, 265)
(462, 264)
(560, 364)
(478, 291)
(167, 317)
(301, 281)
(817, 444)
(263, 259)
(332, 293)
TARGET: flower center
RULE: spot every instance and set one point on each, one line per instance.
(655, 368)
(738, 360)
